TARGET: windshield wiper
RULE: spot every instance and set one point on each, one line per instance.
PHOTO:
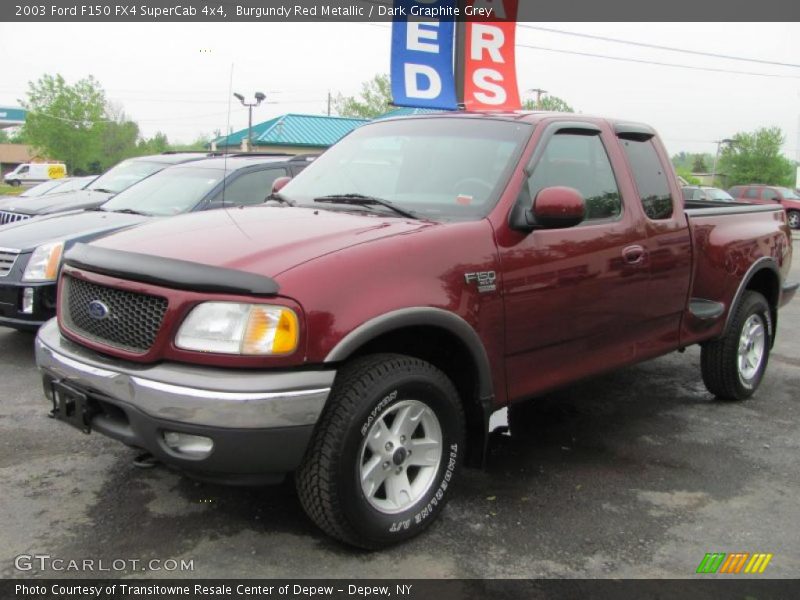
(127, 211)
(102, 190)
(362, 200)
(278, 197)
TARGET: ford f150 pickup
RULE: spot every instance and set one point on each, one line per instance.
(360, 328)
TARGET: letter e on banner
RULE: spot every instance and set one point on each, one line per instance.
(490, 72)
(422, 57)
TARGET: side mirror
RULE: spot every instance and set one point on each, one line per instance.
(280, 183)
(553, 207)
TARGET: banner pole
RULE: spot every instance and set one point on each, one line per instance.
(460, 48)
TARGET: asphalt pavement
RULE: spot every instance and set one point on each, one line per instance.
(638, 473)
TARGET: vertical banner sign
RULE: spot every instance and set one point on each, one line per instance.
(490, 72)
(422, 57)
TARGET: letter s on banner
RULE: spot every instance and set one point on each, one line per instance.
(490, 72)
(422, 58)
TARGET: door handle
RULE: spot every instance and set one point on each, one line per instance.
(633, 255)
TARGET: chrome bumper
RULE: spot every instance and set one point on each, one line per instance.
(210, 396)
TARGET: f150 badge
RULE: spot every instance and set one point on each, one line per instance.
(486, 280)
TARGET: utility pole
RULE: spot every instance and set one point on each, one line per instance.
(539, 92)
(716, 158)
(329, 103)
(260, 97)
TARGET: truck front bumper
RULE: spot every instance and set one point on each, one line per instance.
(258, 423)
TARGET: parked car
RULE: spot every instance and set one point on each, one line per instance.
(705, 193)
(54, 186)
(113, 181)
(35, 173)
(421, 274)
(30, 251)
(771, 194)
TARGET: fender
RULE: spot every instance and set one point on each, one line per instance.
(760, 264)
(431, 317)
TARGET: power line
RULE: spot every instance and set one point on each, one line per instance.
(654, 62)
(656, 46)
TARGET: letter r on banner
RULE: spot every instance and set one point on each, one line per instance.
(422, 58)
(490, 72)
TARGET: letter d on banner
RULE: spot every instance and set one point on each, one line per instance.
(422, 58)
(490, 72)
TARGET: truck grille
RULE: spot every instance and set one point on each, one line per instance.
(121, 319)
(12, 217)
(7, 259)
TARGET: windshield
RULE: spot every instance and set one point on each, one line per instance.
(170, 192)
(787, 193)
(124, 175)
(42, 188)
(716, 194)
(436, 168)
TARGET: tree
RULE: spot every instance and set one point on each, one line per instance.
(155, 145)
(65, 121)
(755, 157)
(549, 103)
(699, 164)
(4, 139)
(375, 98)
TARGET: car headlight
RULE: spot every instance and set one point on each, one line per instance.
(233, 328)
(44, 262)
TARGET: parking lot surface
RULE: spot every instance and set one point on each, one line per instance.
(638, 473)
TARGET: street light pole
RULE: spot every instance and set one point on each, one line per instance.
(538, 92)
(260, 97)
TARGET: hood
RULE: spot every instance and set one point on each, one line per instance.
(55, 203)
(72, 227)
(262, 240)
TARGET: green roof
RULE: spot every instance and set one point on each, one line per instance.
(295, 130)
(10, 117)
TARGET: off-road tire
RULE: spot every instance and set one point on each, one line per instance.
(328, 481)
(719, 358)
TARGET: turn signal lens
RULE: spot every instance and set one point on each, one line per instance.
(270, 330)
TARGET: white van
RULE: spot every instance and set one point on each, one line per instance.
(36, 172)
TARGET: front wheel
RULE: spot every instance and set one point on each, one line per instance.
(385, 453)
(794, 219)
(734, 365)
(14, 183)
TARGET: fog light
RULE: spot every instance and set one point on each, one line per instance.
(196, 446)
(27, 301)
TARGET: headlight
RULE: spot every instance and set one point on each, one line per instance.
(44, 262)
(233, 328)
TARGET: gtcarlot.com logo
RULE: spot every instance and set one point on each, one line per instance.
(46, 562)
(734, 563)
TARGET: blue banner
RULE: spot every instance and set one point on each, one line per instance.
(422, 54)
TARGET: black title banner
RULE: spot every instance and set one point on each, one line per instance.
(479, 589)
(384, 10)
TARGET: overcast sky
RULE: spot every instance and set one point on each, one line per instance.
(175, 78)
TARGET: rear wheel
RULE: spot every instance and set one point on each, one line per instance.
(385, 453)
(794, 219)
(14, 182)
(733, 366)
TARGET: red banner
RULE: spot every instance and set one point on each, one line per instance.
(490, 73)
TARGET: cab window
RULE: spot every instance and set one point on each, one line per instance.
(251, 188)
(580, 162)
(650, 176)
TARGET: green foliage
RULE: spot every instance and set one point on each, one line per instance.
(4, 139)
(755, 157)
(693, 163)
(200, 143)
(375, 99)
(687, 175)
(9, 190)
(155, 145)
(699, 165)
(66, 122)
(549, 103)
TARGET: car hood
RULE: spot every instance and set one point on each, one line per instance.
(72, 227)
(262, 240)
(55, 203)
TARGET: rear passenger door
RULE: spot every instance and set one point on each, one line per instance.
(667, 239)
(574, 297)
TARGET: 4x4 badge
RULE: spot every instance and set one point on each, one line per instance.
(486, 280)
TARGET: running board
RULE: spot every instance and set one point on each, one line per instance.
(706, 310)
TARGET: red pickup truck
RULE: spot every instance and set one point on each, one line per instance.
(360, 328)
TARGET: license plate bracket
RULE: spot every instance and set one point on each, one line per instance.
(72, 407)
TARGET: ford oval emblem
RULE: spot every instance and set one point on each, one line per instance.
(98, 310)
